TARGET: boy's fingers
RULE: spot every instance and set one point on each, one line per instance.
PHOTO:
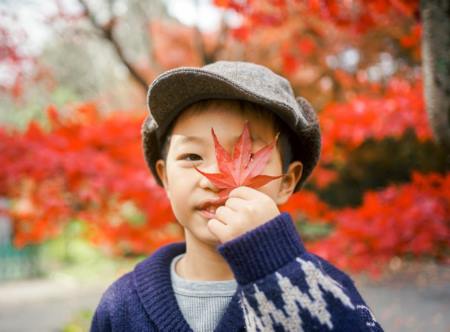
(217, 228)
(226, 215)
(243, 192)
(235, 203)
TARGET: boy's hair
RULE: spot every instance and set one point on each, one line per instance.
(244, 107)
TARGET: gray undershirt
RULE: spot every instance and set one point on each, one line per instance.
(202, 303)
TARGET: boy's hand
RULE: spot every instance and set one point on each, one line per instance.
(245, 209)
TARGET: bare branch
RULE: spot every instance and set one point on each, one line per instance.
(200, 45)
(223, 34)
(146, 26)
(107, 32)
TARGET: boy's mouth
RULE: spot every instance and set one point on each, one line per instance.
(211, 209)
(207, 214)
(209, 206)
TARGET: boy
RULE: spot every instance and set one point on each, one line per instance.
(242, 266)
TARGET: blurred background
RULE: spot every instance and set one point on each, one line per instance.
(79, 208)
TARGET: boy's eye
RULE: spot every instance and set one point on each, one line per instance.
(188, 155)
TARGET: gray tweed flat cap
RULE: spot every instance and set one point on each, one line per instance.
(176, 89)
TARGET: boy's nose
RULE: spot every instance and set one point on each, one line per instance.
(205, 183)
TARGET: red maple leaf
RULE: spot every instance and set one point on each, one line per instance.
(242, 168)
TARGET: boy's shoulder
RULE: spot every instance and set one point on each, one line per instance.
(127, 286)
(121, 309)
(131, 302)
(118, 291)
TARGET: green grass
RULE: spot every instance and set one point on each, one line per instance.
(72, 255)
(80, 322)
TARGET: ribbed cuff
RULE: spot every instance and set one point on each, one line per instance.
(263, 250)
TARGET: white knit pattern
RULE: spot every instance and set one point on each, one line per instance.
(267, 314)
(372, 321)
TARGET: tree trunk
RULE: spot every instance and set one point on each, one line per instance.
(436, 66)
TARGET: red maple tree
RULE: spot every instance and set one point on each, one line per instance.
(89, 166)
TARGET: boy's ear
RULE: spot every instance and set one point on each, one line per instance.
(290, 180)
(161, 171)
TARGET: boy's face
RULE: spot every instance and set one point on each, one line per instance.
(185, 187)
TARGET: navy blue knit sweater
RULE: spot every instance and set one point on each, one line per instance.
(281, 287)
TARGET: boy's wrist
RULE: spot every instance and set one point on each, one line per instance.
(263, 250)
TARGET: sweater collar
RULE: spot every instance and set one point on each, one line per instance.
(152, 280)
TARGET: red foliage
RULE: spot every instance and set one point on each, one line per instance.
(346, 125)
(358, 16)
(86, 167)
(411, 219)
(306, 205)
(331, 50)
(364, 117)
(91, 167)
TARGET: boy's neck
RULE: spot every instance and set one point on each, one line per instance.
(202, 262)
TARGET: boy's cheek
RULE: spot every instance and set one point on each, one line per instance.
(270, 190)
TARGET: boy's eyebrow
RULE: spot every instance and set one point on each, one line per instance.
(187, 139)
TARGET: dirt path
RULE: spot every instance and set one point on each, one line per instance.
(414, 298)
